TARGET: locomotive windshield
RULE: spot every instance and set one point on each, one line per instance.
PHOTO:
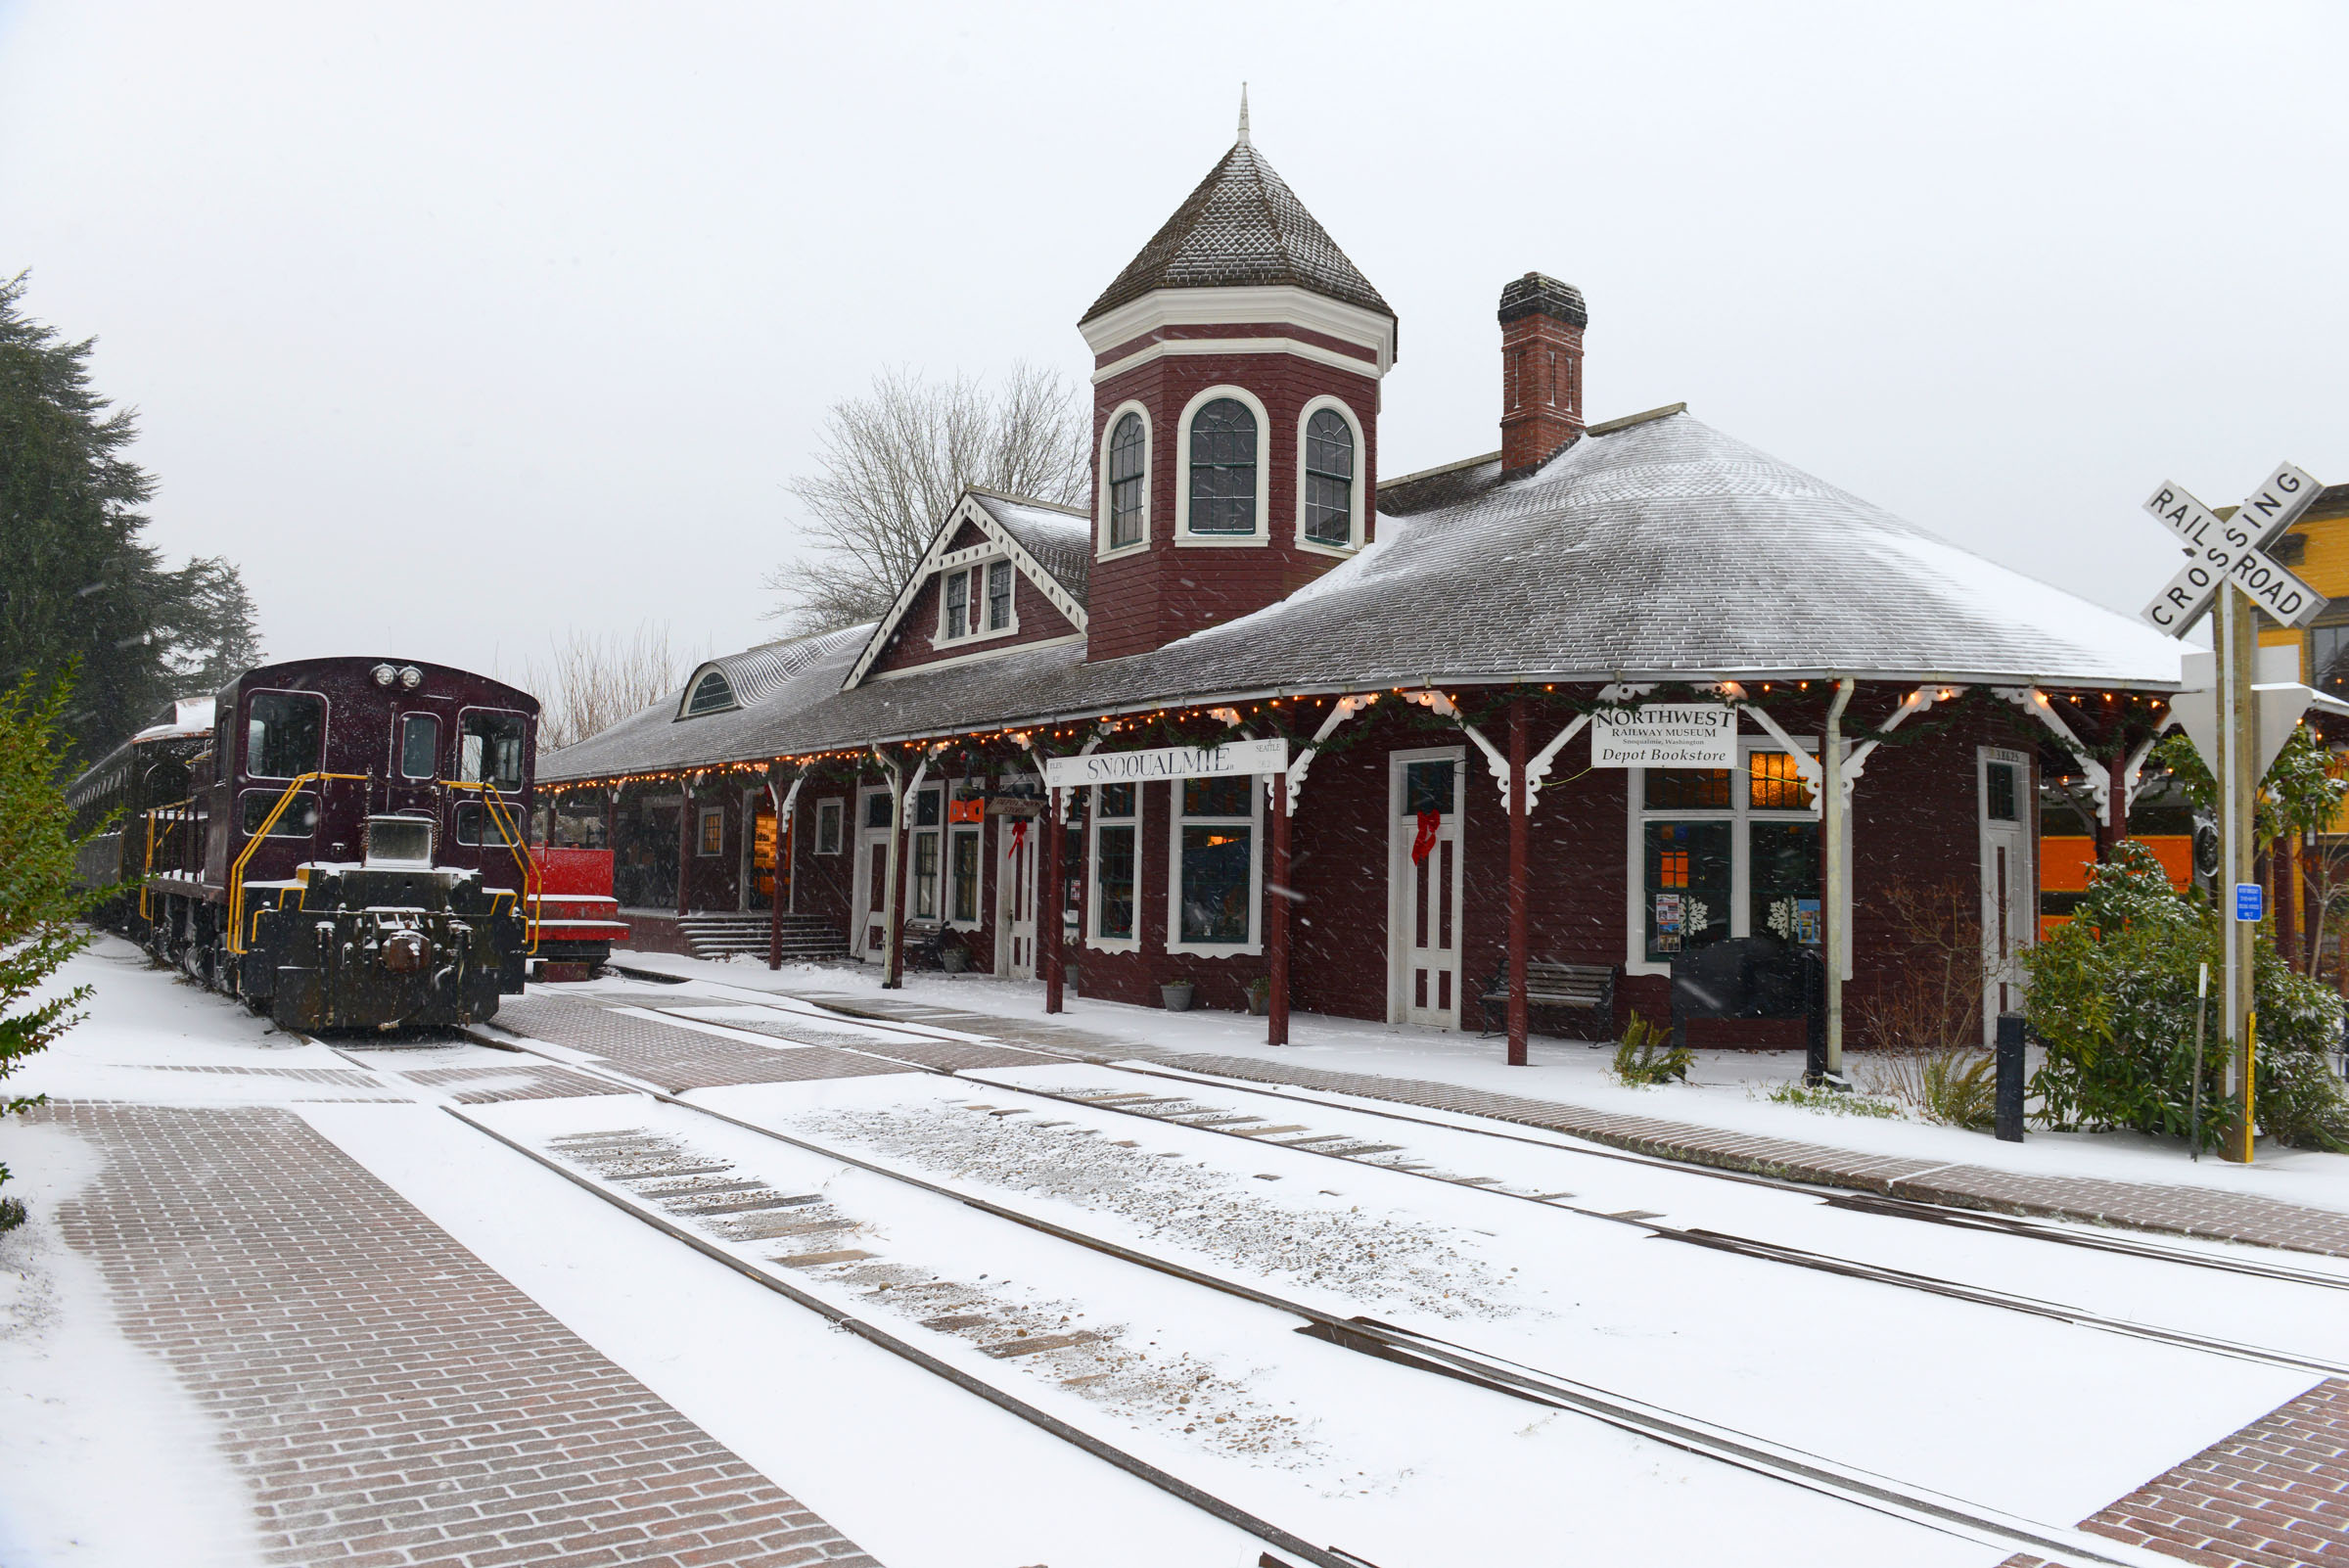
(284, 734)
(490, 749)
(420, 746)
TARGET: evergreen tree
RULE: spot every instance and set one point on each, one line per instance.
(79, 587)
(41, 899)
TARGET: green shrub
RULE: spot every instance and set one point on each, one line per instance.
(1837, 1102)
(1961, 1088)
(2112, 997)
(1645, 1055)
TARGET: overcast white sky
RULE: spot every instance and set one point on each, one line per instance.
(462, 326)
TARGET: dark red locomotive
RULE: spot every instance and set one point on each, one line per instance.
(349, 851)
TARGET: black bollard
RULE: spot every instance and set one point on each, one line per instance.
(1814, 1018)
(2011, 1078)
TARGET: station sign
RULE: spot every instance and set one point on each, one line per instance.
(1167, 761)
(1664, 735)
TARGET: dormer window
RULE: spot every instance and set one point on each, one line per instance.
(1222, 451)
(1128, 480)
(958, 604)
(710, 694)
(1329, 479)
(998, 596)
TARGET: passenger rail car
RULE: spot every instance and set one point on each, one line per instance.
(345, 850)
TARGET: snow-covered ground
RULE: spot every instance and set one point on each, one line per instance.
(2040, 1418)
(1728, 1089)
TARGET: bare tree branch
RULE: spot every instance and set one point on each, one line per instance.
(591, 683)
(893, 461)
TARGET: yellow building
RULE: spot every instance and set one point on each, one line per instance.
(2316, 549)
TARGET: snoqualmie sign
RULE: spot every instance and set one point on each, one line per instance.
(1167, 761)
(1664, 735)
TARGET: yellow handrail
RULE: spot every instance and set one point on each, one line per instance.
(147, 872)
(495, 805)
(236, 873)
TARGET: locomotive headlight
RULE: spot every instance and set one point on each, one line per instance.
(383, 674)
(411, 677)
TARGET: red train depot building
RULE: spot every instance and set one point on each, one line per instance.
(1444, 669)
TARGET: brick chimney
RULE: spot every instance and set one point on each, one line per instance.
(1541, 323)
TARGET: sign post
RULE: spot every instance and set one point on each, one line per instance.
(2227, 560)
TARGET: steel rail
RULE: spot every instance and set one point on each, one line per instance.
(1850, 1484)
(1141, 1469)
(1888, 1205)
(1722, 1241)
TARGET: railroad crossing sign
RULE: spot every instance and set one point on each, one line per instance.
(2223, 549)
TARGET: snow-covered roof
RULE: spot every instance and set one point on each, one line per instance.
(1656, 549)
(190, 715)
(1060, 538)
(1242, 227)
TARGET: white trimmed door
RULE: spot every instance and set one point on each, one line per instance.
(1423, 890)
(872, 876)
(1017, 840)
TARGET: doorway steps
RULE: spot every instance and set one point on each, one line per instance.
(714, 935)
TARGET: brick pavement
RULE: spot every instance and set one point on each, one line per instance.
(679, 1057)
(387, 1397)
(2275, 1494)
(2182, 1211)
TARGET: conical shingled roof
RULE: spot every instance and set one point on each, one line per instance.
(1242, 227)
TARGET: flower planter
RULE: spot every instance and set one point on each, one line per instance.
(954, 960)
(1259, 997)
(1176, 996)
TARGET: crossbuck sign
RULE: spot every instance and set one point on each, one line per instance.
(2223, 549)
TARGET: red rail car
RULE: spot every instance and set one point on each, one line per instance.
(575, 915)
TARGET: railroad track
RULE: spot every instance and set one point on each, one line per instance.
(1402, 1346)
(1833, 1197)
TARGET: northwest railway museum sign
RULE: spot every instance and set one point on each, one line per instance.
(1664, 735)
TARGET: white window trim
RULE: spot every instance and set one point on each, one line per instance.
(836, 805)
(1263, 535)
(1175, 822)
(947, 879)
(1362, 461)
(1093, 824)
(700, 833)
(973, 570)
(1740, 813)
(1102, 548)
(913, 838)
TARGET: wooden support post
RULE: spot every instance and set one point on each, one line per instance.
(1276, 919)
(685, 845)
(895, 978)
(1835, 939)
(2238, 790)
(1047, 901)
(775, 874)
(1519, 923)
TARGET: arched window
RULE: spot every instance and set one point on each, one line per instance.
(1223, 468)
(709, 694)
(1126, 483)
(1329, 478)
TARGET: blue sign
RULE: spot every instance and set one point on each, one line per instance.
(2250, 900)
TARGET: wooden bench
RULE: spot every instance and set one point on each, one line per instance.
(1585, 988)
